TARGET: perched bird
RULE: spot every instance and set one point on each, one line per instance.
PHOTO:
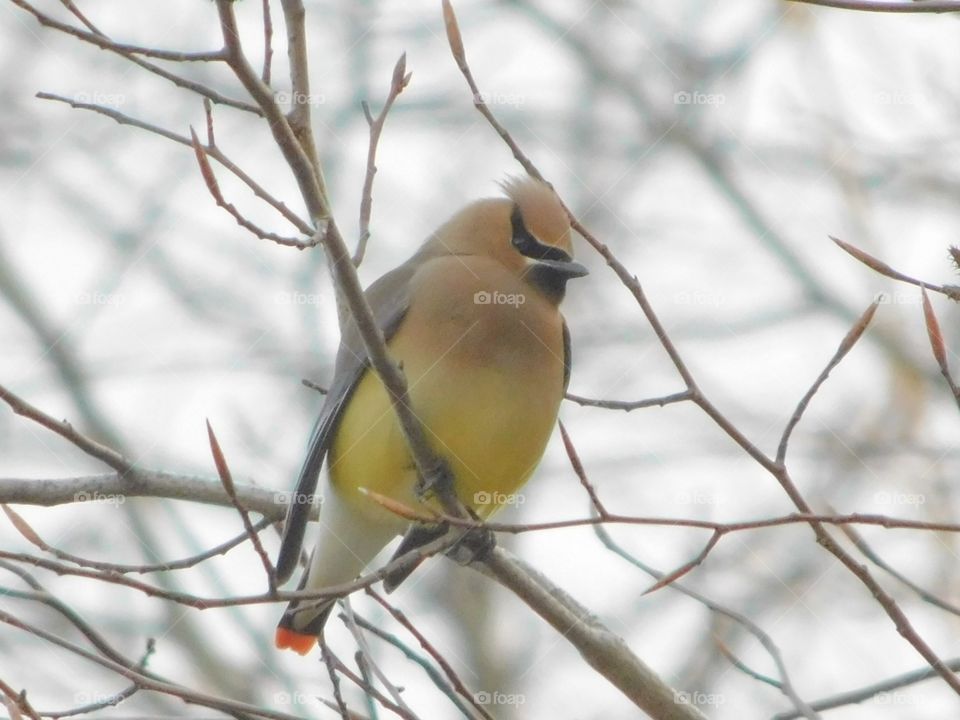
(473, 319)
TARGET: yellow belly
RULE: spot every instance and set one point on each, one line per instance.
(487, 391)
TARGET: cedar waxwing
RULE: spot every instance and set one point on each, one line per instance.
(473, 319)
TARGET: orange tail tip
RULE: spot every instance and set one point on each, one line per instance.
(287, 639)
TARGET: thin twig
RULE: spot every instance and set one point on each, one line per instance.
(438, 657)
(580, 472)
(951, 291)
(857, 539)
(65, 430)
(211, 151)
(602, 649)
(34, 538)
(103, 42)
(846, 345)
(145, 681)
(403, 712)
(786, 686)
(267, 42)
(214, 187)
(853, 697)
(398, 82)
(364, 648)
(777, 470)
(938, 347)
(686, 567)
(628, 405)
(913, 6)
(412, 558)
(226, 478)
(329, 662)
(17, 703)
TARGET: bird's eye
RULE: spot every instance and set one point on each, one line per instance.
(526, 244)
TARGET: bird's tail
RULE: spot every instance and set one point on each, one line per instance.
(302, 622)
(346, 544)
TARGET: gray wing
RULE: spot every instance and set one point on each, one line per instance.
(389, 299)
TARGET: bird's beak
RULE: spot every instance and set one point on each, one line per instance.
(565, 268)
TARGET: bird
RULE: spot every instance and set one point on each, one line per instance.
(473, 320)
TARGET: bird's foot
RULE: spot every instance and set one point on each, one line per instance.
(474, 546)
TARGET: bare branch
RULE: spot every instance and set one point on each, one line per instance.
(627, 405)
(951, 291)
(777, 470)
(65, 430)
(846, 345)
(211, 181)
(146, 681)
(210, 150)
(913, 6)
(853, 697)
(227, 480)
(398, 82)
(580, 472)
(267, 42)
(438, 657)
(131, 52)
(936, 344)
(604, 651)
(34, 538)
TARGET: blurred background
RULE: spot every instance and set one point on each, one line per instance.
(712, 146)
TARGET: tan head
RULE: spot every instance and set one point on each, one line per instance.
(527, 232)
